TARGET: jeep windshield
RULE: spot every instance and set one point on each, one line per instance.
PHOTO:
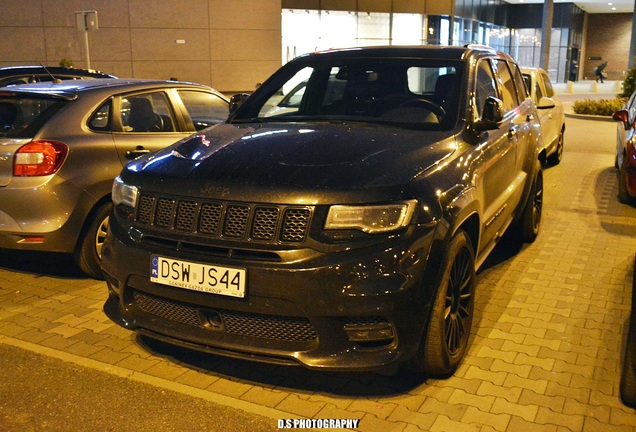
(414, 93)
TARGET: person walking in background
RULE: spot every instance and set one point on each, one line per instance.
(574, 70)
(600, 72)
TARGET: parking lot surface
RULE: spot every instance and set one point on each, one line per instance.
(546, 352)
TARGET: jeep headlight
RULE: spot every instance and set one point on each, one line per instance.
(124, 194)
(371, 219)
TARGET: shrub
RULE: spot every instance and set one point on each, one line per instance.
(601, 107)
(629, 85)
(65, 62)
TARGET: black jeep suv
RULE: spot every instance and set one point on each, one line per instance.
(340, 232)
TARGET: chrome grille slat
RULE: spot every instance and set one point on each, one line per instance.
(219, 219)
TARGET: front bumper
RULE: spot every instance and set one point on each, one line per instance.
(362, 309)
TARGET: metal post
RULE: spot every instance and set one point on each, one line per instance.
(85, 21)
(86, 46)
(546, 33)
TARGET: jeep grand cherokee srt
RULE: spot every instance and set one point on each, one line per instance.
(343, 233)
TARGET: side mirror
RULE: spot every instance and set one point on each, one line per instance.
(546, 103)
(623, 117)
(237, 100)
(492, 116)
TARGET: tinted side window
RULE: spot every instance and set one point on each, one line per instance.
(508, 90)
(522, 90)
(632, 107)
(100, 120)
(538, 92)
(147, 113)
(485, 85)
(549, 91)
(205, 109)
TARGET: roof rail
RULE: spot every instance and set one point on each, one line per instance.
(480, 47)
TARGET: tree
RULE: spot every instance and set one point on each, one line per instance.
(629, 85)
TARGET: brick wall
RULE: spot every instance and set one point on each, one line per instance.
(608, 37)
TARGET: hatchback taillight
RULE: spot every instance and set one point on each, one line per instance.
(39, 158)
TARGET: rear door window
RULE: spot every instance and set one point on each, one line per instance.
(522, 90)
(485, 85)
(549, 90)
(150, 112)
(508, 90)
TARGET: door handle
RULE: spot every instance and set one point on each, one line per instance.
(138, 151)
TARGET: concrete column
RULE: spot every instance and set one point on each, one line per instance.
(546, 33)
(632, 45)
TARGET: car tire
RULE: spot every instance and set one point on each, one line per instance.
(628, 374)
(88, 253)
(530, 222)
(555, 158)
(623, 195)
(445, 338)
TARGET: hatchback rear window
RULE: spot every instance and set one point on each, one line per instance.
(22, 117)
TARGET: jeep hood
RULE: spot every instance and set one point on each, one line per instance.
(297, 156)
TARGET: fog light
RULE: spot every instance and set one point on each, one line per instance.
(370, 332)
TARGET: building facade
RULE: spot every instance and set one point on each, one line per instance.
(234, 45)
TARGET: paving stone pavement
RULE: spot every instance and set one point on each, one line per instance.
(550, 327)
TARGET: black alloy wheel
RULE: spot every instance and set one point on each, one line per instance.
(445, 339)
(459, 301)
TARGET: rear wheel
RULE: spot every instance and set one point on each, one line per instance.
(555, 158)
(445, 339)
(88, 254)
(531, 218)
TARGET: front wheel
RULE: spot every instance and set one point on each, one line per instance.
(445, 338)
(88, 254)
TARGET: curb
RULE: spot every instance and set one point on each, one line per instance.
(589, 117)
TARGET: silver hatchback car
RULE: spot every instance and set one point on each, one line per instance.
(62, 144)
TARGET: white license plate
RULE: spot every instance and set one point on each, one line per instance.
(197, 276)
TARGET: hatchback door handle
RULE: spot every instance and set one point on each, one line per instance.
(138, 151)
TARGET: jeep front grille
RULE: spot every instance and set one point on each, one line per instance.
(220, 219)
(290, 329)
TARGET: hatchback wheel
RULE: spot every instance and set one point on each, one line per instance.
(446, 338)
(89, 250)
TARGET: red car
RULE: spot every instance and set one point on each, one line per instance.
(625, 160)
